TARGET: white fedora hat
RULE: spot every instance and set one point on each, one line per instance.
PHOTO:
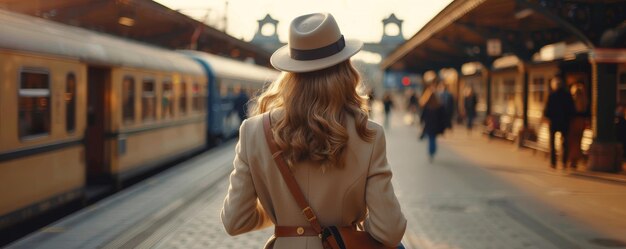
(315, 42)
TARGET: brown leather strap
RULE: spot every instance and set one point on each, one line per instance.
(293, 186)
(285, 231)
(295, 231)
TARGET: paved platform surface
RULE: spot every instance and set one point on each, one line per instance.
(478, 193)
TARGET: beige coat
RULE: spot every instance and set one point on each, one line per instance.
(258, 196)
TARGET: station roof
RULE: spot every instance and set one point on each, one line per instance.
(142, 20)
(460, 32)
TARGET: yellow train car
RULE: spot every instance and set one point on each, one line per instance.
(42, 106)
(79, 109)
(154, 117)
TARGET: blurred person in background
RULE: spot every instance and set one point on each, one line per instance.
(433, 120)
(388, 104)
(559, 111)
(469, 106)
(320, 126)
(447, 100)
(370, 102)
(577, 123)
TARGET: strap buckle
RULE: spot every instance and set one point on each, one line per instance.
(308, 213)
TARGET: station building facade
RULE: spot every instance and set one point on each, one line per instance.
(508, 50)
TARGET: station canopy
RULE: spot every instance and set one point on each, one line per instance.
(142, 20)
(484, 30)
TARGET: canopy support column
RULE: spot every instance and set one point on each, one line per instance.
(605, 153)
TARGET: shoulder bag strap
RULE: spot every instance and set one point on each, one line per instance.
(293, 186)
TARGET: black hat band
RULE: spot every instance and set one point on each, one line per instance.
(318, 53)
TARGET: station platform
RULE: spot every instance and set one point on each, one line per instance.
(477, 193)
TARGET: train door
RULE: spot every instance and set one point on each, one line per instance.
(98, 80)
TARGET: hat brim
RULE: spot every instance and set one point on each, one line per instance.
(283, 62)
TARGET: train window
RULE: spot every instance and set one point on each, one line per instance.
(128, 99)
(230, 91)
(197, 98)
(204, 92)
(183, 98)
(223, 89)
(167, 105)
(148, 100)
(70, 102)
(34, 104)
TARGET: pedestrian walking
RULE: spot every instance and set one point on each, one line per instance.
(320, 137)
(433, 121)
(388, 104)
(447, 101)
(559, 111)
(469, 106)
(577, 123)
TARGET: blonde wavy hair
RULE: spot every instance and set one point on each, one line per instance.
(314, 105)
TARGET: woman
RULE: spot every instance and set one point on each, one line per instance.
(433, 120)
(321, 126)
(577, 123)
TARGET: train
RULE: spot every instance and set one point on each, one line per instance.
(82, 111)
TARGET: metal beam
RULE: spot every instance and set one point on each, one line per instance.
(423, 67)
(515, 45)
(427, 55)
(459, 46)
(453, 46)
(447, 57)
(558, 20)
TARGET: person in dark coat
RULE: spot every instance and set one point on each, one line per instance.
(577, 123)
(447, 101)
(388, 103)
(559, 111)
(433, 119)
(412, 105)
(469, 105)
